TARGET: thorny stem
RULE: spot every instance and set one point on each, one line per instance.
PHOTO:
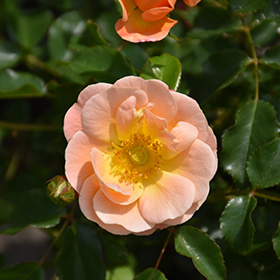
(163, 248)
(61, 231)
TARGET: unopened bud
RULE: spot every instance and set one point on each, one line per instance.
(60, 191)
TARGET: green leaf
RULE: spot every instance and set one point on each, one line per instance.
(9, 55)
(26, 271)
(263, 166)
(113, 249)
(166, 68)
(255, 125)
(204, 252)
(5, 210)
(241, 6)
(272, 57)
(150, 274)
(20, 85)
(81, 255)
(236, 224)
(102, 63)
(271, 273)
(34, 208)
(276, 241)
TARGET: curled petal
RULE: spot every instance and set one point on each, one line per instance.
(145, 5)
(88, 191)
(166, 196)
(191, 3)
(78, 164)
(127, 216)
(156, 13)
(118, 192)
(136, 29)
(127, 7)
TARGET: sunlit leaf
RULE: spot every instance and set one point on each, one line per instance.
(26, 271)
(150, 274)
(81, 255)
(236, 223)
(255, 125)
(204, 252)
(166, 68)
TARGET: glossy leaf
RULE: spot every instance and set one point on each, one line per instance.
(102, 63)
(150, 274)
(236, 224)
(204, 252)
(241, 6)
(276, 242)
(166, 68)
(9, 55)
(81, 255)
(272, 57)
(255, 125)
(34, 208)
(17, 84)
(263, 166)
(26, 271)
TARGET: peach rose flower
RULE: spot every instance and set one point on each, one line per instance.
(146, 20)
(140, 155)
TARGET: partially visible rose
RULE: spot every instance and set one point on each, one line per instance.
(146, 20)
(140, 155)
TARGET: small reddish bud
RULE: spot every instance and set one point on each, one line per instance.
(60, 191)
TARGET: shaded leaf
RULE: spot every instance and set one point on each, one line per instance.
(166, 68)
(26, 271)
(263, 166)
(9, 55)
(17, 84)
(236, 224)
(204, 252)
(150, 274)
(36, 209)
(255, 125)
(241, 6)
(271, 273)
(276, 241)
(102, 63)
(272, 57)
(81, 255)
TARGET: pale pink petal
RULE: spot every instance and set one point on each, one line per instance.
(189, 111)
(78, 164)
(166, 196)
(125, 116)
(90, 91)
(88, 191)
(185, 134)
(191, 3)
(99, 113)
(198, 164)
(135, 29)
(72, 121)
(127, 216)
(118, 192)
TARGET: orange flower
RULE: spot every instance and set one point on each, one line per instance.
(146, 20)
(140, 155)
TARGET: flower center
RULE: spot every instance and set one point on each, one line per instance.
(136, 158)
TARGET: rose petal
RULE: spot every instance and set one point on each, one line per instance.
(166, 196)
(127, 216)
(156, 13)
(78, 161)
(198, 164)
(72, 121)
(191, 3)
(127, 7)
(146, 5)
(118, 192)
(189, 111)
(88, 191)
(99, 113)
(136, 30)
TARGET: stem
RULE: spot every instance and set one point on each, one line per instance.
(268, 196)
(28, 126)
(163, 249)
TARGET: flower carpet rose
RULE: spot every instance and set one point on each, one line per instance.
(146, 20)
(140, 155)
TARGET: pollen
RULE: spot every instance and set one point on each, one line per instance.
(136, 158)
